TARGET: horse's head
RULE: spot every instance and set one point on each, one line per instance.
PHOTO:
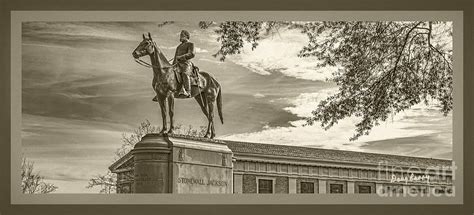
(146, 47)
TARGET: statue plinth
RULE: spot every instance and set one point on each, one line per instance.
(151, 165)
(173, 164)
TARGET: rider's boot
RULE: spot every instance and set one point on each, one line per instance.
(186, 89)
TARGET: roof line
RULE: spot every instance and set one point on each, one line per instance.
(336, 150)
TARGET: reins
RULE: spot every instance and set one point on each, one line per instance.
(146, 64)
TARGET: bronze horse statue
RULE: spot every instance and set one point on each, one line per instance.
(166, 84)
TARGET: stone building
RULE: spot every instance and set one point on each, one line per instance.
(182, 164)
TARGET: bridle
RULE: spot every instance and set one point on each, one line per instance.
(148, 65)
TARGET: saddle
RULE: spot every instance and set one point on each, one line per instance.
(194, 77)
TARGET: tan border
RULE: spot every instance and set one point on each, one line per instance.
(20, 16)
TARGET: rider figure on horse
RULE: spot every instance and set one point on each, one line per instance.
(184, 53)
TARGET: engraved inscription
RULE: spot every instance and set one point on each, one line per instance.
(201, 181)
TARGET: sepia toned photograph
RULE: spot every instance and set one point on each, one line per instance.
(315, 108)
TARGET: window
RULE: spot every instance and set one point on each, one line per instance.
(307, 187)
(365, 189)
(265, 186)
(335, 188)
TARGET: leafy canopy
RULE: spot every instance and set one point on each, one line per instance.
(385, 67)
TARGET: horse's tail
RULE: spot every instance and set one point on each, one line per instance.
(219, 104)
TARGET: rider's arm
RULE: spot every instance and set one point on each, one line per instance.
(190, 53)
(175, 59)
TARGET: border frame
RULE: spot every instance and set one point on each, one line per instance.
(19, 17)
(6, 203)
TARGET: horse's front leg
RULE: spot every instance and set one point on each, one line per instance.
(210, 126)
(161, 101)
(171, 113)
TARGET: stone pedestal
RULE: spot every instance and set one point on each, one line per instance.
(152, 165)
(173, 164)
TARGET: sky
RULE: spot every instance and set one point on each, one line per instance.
(81, 90)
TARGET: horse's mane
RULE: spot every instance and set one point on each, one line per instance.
(161, 57)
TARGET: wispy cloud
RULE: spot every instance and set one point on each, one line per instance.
(402, 125)
(200, 50)
(67, 151)
(258, 95)
(77, 29)
(278, 53)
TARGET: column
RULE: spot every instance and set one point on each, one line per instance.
(238, 181)
(350, 187)
(322, 186)
(292, 185)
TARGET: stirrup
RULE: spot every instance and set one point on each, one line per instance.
(185, 94)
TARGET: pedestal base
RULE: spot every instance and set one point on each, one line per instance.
(170, 164)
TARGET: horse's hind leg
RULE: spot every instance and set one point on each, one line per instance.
(202, 101)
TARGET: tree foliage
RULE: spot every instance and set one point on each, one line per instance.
(107, 181)
(386, 67)
(130, 139)
(33, 182)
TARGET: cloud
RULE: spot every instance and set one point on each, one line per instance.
(418, 121)
(78, 96)
(167, 47)
(442, 36)
(77, 29)
(199, 50)
(278, 53)
(259, 95)
(307, 102)
(69, 152)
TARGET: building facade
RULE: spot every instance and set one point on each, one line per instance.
(245, 167)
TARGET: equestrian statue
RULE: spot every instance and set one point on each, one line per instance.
(181, 80)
